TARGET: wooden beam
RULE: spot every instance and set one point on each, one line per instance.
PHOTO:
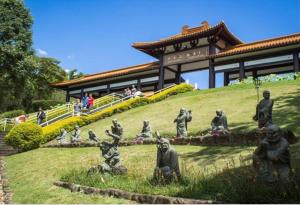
(254, 73)
(212, 74)
(81, 94)
(108, 88)
(67, 96)
(139, 84)
(296, 62)
(242, 71)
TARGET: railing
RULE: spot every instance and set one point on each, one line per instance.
(6, 123)
(170, 86)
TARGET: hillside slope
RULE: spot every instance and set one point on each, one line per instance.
(238, 103)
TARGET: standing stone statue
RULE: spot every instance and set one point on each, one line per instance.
(61, 138)
(76, 135)
(146, 131)
(271, 159)
(116, 132)
(219, 123)
(181, 122)
(264, 110)
(167, 161)
(93, 137)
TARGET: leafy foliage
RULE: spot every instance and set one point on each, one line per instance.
(11, 114)
(25, 136)
(45, 104)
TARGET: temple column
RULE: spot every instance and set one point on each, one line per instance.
(211, 75)
(254, 73)
(226, 78)
(68, 96)
(139, 87)
(242, 71)
(161, 72)
(81, 94)
(108, 89)
(178, 75)
(296, 62)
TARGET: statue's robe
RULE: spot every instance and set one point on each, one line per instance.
(271, 157)
(219, 123)
(181, 125)
(76, 136)
(116, 133)
(62, 137)
(168, 162)
(264, 112)
(146, 132)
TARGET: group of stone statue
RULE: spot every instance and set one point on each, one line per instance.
(271, 159)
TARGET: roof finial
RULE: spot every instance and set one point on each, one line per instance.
(204, 24)
(184, 29)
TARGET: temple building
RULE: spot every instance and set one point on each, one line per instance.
(212, 48)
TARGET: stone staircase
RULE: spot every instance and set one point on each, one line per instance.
(5, 150)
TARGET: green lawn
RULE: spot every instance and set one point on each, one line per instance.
(238, 103)
(31, 174)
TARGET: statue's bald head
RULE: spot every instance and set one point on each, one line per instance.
(182, 110)
(219, 112)
(115, 122)
(273, 133)
(163, 144)
(266, 94)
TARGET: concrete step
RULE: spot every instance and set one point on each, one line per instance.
(5, 150)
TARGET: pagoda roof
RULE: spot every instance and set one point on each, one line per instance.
(260, 45)
(189, 34)
(107, 74)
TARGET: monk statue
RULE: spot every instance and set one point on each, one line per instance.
(271, 159)
(181, 122)
(112, 162)
(116, 132)
(92, 136)
(61, 138)
(264, 110)
(167, 161)
(76, 135)
(219, 123)
(146, 132)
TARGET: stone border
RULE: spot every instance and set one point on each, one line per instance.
(139, 198)
(5, 193)
(234, 139)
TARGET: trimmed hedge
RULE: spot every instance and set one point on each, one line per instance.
(50, 132)
(182, 88)
(24, 137)
(11, 114)
(45, 104)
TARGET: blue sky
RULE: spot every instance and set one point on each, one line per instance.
(96, 35)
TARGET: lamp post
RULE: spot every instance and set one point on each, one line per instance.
(257, 83)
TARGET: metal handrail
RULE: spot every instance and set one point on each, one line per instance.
(170, 86)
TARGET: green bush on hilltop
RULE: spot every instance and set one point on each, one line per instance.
(24, 137)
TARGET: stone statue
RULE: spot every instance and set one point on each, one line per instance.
(219, 123)
(167, 161)
(76, 135)
(93, 137)
(61, 138)
(146, 131)
(181, 122)
(116, 132)
(264, 110)
(271, 159)
(112, 161)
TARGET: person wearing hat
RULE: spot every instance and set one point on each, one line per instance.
(272, 156)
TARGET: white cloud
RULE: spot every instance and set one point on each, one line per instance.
(41, 52)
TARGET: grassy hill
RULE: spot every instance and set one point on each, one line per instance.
(238, 103)
(31, 174)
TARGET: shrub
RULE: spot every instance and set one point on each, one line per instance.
(45, 104)
(52, 131)
(182, 88)
(11, 114)
(25, 136)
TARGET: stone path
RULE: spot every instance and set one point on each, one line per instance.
(5, 194)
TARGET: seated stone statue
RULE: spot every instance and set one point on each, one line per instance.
(146, 132)
(264, 110)
(167, 161)
(116, 132)
(75, 138)
(93, 137)
(219, 123)
(271, 159)
(181, 122)
(61, 138)
(112, 162)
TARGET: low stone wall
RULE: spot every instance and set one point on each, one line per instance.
(139, 198)
(5, 193)
(232, 139)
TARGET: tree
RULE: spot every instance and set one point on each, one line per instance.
(73, 74)
(16, 55)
